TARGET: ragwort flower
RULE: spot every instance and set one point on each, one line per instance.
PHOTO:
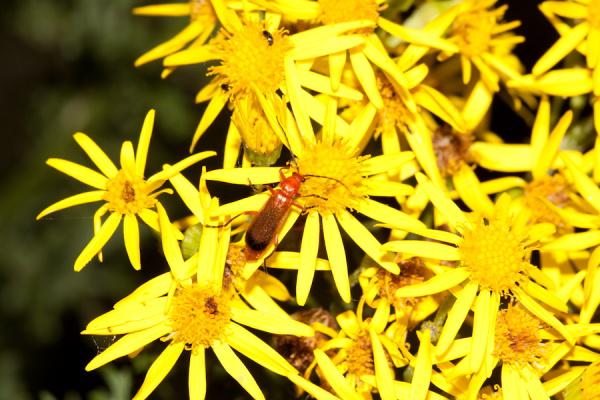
(336, 182)
(192, 314)
(492, 263)
(126, 193)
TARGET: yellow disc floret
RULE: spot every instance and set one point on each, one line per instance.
(359, 356)
(252, 55)
(394, 113)
(338, 179)
(127, 196)
(494, 253)
(517, 340)
(199, 315)
(334, 12)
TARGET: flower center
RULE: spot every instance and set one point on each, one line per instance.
(594, 13)
(335, 12)
(202, 11)
(393, 113)
(359, 359)
(517, 338)
(338, 181)
(553, 188)
(125, 196)
(474, 28)
(234, 265)
(249, 56)
(260, 141)
(412, 271)
(198, 316)
(451, 149)
(590, 381)
(493, 253)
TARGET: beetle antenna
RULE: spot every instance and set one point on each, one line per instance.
(328, 177)
(290, 147)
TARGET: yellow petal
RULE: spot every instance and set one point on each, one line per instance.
(446, 206)
(128, 344)
(96, 155)
(271, 323)
(144, 143)
(132, 316)
(469, 189)
(321, 83)
(502, 157)
(310, 388)
(575, 241)
(79, 172)
(366, 76)
(82, 198)
(540, 293)
(324, 47)
(434, 101)
(383, 375)
(421, 248)
(336, 255)
(349, 324)
(258, 351)
(481, 327)
(384, 163)
(170, 171)
(170, 245)
(197, 375)
(423, 368)
(366, 241)
(153, 288)
(437, 284)
(131, 232)
(456, 317)
(308, 257)
(294, 94)
(100, 238)
(337, 381)
(549, 152)
(192, 31)
(564, 82)
(317, 35)
(388, 215)
(213, 109)
(417, 37)
(244, 176)
(164, 10)
(234, 367)
(563, 46)
(189, 194)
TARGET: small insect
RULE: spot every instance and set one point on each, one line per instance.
(269, 37)
(264, 228)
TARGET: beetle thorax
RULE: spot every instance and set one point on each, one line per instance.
(291, 185)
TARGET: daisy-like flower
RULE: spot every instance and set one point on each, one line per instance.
(492, 263)
(257, 54)
(336, 182)
(125, 192)
(363, 56)
(192, 314)
(476, 30)
(203, 20)
(587, 385)
(362, 347)
(528, 349)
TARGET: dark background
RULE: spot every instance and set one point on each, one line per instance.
(67, 66)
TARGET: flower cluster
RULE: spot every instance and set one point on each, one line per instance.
(460, 266)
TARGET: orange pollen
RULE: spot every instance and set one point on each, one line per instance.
(334, 12)
(494, 254)
(252, 55)
(517, 338)
(125, 196)
(198, 316)
(451, 149)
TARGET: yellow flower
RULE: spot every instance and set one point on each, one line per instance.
(203, 19)
(257, 56)
(336, 182)
(586, 385)
(362, 347)
(126, 193)
(492, 259)
(192, 314)
(477, 30)
(365, 53)
(528, 349)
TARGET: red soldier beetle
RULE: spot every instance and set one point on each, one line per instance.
(264, 228)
